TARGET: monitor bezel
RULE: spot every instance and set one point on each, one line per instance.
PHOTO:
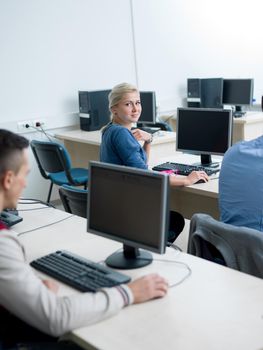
(199, 152)
(161, 246)
(154, 108)
(251, 80)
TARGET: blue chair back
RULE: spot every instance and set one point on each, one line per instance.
(51, 157)
(54, 164)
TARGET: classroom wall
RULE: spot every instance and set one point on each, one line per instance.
(178, 39)
(52, 49)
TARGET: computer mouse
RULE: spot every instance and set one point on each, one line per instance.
(201, 181)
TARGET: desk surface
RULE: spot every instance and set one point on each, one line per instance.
(249, 118)
(94, 137)
(215, 308)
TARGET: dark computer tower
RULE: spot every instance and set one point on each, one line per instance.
(193, 92)
(212, 93)
(93, 109)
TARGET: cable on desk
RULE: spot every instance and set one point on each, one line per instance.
(31, 209)
(188, 268)
(174, 246)
(52, 223)
(213, 178)
(35, 201)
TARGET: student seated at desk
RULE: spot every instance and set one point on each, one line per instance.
(120, 143)
(241, 185)
(24, 297)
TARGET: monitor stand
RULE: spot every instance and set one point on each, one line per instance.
(206, 161)
(129, 258)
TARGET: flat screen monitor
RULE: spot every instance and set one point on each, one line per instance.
(238, 92)
(204, 131)
(130, 206)
(212, 93)
(94, 109)
(148, 103)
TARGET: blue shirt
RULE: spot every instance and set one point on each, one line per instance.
(120, 147)
(241, 185)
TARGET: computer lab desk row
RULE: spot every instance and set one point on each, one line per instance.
(214, 308)
(84, 146)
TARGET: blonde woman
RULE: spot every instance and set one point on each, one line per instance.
(120, 143)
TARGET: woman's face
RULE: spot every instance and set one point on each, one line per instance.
(128, 110)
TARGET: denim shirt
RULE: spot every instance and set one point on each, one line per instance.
(241, 185)
(120, 147)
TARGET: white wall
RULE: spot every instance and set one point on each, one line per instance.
(180, 39)
(50, 49)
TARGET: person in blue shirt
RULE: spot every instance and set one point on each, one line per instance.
(241, 185)
(120, 144)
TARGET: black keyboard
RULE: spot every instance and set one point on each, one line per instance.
(78, 272)
(184, 169)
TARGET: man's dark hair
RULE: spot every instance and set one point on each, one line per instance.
(11, 147)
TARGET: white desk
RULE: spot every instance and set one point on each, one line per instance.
(84, 145)
(245, 128)
(198, 198)
(215, 308)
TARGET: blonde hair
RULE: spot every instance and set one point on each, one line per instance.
(116, 94)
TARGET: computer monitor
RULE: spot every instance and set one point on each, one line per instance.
(148, 103)
(94, 109)
(130, 206)
(238, 92)
(212, 93)
(204, 131)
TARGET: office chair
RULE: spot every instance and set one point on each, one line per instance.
(54, 164)
(74, 200)
(239, 248)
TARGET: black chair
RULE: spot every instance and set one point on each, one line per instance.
(54, 164)
(74, 200)
(238, 247)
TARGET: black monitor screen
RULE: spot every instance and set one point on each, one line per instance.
(148, 103)
(94, 109)
(212, 93)
(204, 131)
(238, 92)
(130, 206)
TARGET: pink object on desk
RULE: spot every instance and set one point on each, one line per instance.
(168, 172)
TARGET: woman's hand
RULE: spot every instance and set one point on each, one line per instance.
(141, 135)
(191, 179)
(195, 176)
